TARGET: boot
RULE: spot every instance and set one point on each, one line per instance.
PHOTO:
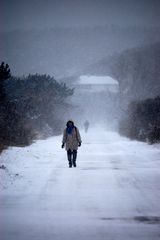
(74, 164)
(70, 164)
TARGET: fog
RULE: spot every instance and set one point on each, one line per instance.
(97, 63)
(71, 39)
(53, 13)
(95, 100)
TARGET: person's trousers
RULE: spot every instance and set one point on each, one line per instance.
(72, 156)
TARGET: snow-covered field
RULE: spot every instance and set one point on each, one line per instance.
(113, 194)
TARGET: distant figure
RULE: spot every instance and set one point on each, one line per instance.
(141, 134)
(86, 125)
(72, 140)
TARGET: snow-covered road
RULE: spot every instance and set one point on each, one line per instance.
(113, 194)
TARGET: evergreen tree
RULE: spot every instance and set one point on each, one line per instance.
(4, 74)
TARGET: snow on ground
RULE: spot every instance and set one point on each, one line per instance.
(112, 194)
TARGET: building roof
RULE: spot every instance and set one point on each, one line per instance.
(96, 80)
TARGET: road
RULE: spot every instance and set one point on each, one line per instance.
(113, 194)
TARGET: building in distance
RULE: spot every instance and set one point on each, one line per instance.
(96, 84)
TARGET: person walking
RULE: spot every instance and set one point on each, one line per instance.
(86, 126)
(71, 140)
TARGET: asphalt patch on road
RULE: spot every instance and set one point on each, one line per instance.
(101, 168)
(93, 168)
(140, 219)
(149, 220)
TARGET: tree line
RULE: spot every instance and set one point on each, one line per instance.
(138, 73)
(31, 107)
(142, 120)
